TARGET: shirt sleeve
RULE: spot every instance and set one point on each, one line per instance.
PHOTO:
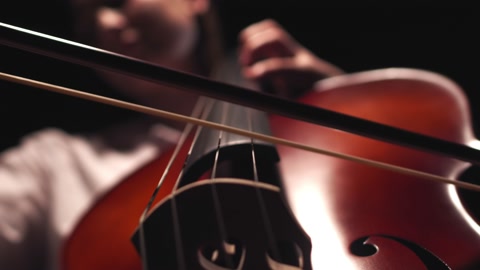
(23, 204)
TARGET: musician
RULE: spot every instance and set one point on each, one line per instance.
(52, 177)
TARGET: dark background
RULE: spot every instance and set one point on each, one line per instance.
(356, 37)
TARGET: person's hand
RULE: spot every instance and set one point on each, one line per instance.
(273, 59)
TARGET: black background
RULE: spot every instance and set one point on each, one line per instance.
(356, 37)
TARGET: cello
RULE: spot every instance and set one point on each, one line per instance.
(356, 216)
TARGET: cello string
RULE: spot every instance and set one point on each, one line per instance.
(180, 143)
(259, 136)
(183, 137)
(225, 113)
(207, 108)
(205, 105)
(261, 201)
(216, 199)
(178, 237)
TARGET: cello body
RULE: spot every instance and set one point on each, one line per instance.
(357, 216)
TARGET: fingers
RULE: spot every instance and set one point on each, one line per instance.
(270, 56)
(264, 40)
(283, 76)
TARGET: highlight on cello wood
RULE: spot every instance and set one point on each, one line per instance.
(333, 213)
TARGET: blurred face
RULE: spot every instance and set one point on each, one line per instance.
(161, 31)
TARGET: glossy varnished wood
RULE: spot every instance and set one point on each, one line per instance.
(339, 202)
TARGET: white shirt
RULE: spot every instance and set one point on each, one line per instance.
(53, 178)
